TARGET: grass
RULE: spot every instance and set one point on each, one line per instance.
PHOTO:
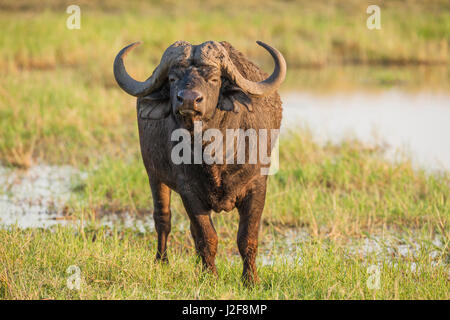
(315, 36)
(59, 104)
(119, 264)
(59, 101)
(340, 195)
(308, 34)
(333, 190)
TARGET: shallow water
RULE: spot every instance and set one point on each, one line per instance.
(417, 124)
(35, 197)
(391, 247)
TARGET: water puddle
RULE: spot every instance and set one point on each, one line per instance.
(415, 123)
(35, 197)
(286, 247)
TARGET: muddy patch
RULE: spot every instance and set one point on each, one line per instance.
(35, 197)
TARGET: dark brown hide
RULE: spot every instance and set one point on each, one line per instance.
(202, 187)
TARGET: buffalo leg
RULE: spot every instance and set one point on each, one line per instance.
(250, 211)
(195, 237)
(203, 232)
(161, 216)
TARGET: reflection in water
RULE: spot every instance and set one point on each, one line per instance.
(418, 124)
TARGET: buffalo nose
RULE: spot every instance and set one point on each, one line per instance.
(189, 98)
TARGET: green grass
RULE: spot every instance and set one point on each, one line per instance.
(333, 190)
(118, 264)
(59, 104)
(338, 194)
(309, 34)
(59, 101)
(314, 35)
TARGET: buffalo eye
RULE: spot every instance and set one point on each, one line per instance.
(172, 79)
(214, 80)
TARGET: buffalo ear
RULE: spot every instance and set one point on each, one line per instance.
(154, 106)
(232, 98)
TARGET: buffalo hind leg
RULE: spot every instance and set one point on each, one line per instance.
(250, 211)
(203, 232)
(161, 216)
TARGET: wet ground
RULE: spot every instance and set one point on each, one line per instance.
(35, 197)
(389, 246)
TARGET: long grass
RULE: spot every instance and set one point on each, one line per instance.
(333, 190)
(309, 34)
(119, 264)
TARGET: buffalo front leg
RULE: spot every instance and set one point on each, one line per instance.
(250, 211)
(203, 232)
(161, 216)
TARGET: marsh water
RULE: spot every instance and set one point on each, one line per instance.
(415, 124)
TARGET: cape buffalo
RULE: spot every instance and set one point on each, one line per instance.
(217, 86)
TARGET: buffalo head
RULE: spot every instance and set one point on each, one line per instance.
(190, 81)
